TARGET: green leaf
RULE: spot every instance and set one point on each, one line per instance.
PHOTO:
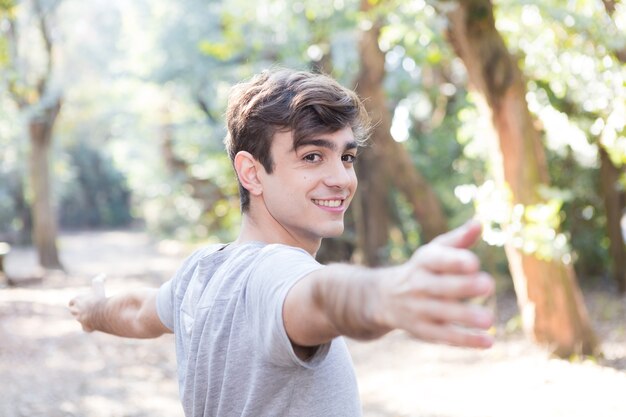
(7, 5)
(217, 50)
(434, 55)
(4, 53)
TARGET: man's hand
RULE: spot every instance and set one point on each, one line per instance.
(81, 306)
(427, 296)
(129, 314)
(462, 237)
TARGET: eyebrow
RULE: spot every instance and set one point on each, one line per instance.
(324, 143)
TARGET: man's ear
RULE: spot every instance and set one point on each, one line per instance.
(247, 172)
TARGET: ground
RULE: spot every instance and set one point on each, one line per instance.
(50, 368)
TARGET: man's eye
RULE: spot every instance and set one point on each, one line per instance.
(312, 157)
(348, 158)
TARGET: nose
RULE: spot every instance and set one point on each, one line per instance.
(339, 175)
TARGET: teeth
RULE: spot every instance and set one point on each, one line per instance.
(328, 203)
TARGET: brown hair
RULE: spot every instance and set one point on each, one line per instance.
(285, 100)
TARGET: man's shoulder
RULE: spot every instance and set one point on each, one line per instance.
(248, 259)
(278, 263)
(276, 254)
(259, 251)
(203, 251)
(280, 248)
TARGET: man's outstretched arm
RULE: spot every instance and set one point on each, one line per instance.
(427, 296)
(130, 314)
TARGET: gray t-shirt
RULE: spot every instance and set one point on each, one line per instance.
(234, 356)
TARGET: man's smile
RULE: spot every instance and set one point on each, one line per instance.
(329, 203)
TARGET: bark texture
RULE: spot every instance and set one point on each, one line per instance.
(385, 163)
(551, 304)
(619, 52)
(614, 196)
(44, 217)
(203, 190)
(44, 107)
(614, 203)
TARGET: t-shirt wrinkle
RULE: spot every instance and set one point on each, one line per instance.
(225, 306)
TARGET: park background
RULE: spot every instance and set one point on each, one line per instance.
(514, 112)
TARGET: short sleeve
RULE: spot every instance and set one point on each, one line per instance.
(164, 305)
(277, 269)
(165, 296)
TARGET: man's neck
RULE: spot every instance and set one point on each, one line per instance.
(253, 230)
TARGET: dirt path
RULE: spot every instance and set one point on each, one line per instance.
(49, 368)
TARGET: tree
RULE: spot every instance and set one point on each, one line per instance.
(571, 57)
(620, 52)
(32, 90)
(551, 303)
(614, 203)
(385, 163)
(613, 192)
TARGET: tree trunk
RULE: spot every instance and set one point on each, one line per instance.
(23, 235)
(44, 216)
(614, 198)
(614, 203)
(620, 51)
(385, 162)
(371, 210)
(203, 190)
(34, 98)
(553, 312)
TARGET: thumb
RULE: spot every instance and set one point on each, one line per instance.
(462, 237)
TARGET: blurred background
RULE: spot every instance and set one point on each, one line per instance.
(111, 129)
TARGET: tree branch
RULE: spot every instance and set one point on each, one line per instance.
(47, 39)
(205, 108)
(12, 83)
(609, 6)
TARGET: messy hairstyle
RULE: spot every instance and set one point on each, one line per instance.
(280, 100)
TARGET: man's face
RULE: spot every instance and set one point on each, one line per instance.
(310, 187)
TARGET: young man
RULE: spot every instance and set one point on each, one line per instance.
(257, 321)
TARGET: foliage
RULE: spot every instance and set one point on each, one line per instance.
(577, 89)
(428, 98)
(11, 226)
(139, 75)
(12, 173)
(533, 228)
(98, 196)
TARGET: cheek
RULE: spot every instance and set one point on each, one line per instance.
(354, 181)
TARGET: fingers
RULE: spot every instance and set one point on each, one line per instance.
(456, 287)
(434, 307)
(444, 259)
(451, 322)
(75, 307)
(430, 300)
(461, 237)
(467, 315)
(79, 307)
(452, 335)
(75, 303)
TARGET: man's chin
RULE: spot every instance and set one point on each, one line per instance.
(335, 231)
